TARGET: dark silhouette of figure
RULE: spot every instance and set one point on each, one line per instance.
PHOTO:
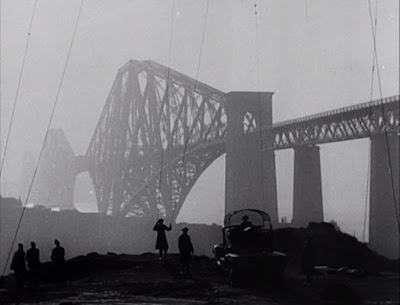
(307, 260)
(186, 250)
(18, 265)
(33, 260)
(162, 243)
(58, 259)
(19, 268)
(246, 224)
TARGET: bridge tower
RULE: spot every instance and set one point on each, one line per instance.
(250, 158)
(384, 195)
(56, 175)
(54, 183)
(307, 188)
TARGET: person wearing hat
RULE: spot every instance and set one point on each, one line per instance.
(19, 267)
(246, 224)
(162, 243)
(58, 259)
(33, 260)
(186, 250)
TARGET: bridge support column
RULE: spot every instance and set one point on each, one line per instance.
(307, 190)
(250, 159)
(384, 195)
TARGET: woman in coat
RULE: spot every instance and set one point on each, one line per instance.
(162, 243)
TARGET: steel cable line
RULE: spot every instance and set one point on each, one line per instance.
(18, 88)
(3, 156)
(373, 32)
(0, 131)
(159, 197)
(47, 133)
(259, 104)
(370, 117)
(367, 193)
(193, 99)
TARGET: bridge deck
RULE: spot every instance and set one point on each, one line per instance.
(347, 123)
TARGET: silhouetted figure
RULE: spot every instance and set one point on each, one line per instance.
(33, 260)
(246, 224)
(186, 250)
(58, 259)
(19, 268)
(307, 260)
(162, 243)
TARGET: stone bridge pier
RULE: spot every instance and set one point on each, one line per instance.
(307, 188)
(250, 158)
(384, 211)
(384, 195)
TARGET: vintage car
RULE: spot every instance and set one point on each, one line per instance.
(246, 253)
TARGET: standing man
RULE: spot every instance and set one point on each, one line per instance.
(33, 260)
(58, 259)
(19, 268)
(186, 250)
(162, 243)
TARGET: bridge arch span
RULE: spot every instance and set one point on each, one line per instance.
(156, 123)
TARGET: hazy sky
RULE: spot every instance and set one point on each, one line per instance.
(315, 55)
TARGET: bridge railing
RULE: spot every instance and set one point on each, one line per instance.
(342, 110)
(347, 123)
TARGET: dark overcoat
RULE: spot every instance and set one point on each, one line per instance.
(18, 262)
(185, 248)
(161, 242)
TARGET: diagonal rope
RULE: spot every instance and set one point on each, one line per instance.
(3, 156)
(259, 104)
(193, 100)
(47, 133)
(166, 101)
(367, 192)
(18, 88)
(0, 133)
(370, 118)
(201, 45)
(383, 115)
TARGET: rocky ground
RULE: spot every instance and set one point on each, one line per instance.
(347, 273)
(142, 279)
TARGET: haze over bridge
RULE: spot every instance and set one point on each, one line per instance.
(159, 130)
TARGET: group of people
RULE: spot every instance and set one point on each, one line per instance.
(31, 259)
(185, 245)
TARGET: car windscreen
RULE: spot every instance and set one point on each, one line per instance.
(254, 217)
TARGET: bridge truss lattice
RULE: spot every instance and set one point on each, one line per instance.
(156, 123)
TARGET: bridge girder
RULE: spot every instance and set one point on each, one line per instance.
(139, 161)
(349, 123)
(153, 141)
(150, 128)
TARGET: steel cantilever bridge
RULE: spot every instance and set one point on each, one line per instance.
(156, 137)
(146, 127)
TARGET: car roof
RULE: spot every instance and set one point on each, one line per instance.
(263, 215)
